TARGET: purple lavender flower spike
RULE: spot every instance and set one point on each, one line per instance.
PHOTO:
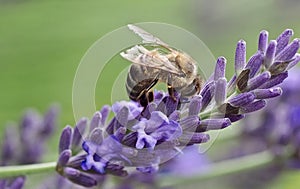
(242, 99)
(240, 57)
(195, 105)
(220, 94)
(289, 51)
(275, 80)
(254, 106)
(65, 139)
(96, 121)
(207, 94)
(220, 68)
(270, 53)
(263, 41)
(267, 93)
(258, 81)
(64, 157)
(17, 183)
(283, 40)
(254, 63)
(78, 132)
(144, 138)
(294, 62)
(79, 178)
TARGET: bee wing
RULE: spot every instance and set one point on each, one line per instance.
(142, 56)
(148, 37)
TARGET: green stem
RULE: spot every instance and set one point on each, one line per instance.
(17, 170)
(222, 168)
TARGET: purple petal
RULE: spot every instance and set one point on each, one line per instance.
(122, 117)
(9, 145)
(65, 139)
(242, 99)
(133, 107)
(167, 131)
(95, 121)
(188, 138)
(240, 57)
(270, 53)
(275, 80)
(283, 40)
(255, 63)
(213, 124)
(195, 105)
(145, 140)
(220, 68)
(79, 178)
(96, 136)
(289, 51)
(258, 80)
(49, 120)
(207, 94)
(17, 183)
(175, 116)
(64, 157)
(190, 123)
(156, 120)
(220, 94)
(231, 86)
(254, 106)
(78, 132)
(294, 62)
(104, 112)
(263, 41)
(267, 93)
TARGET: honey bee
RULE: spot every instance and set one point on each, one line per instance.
(162, 63)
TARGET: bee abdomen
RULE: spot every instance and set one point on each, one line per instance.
(138, 83)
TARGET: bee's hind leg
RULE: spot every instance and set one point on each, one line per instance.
(171, 90)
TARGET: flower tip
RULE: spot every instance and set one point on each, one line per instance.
(264, 33)
(289, 32)
(226, 123)
(242, 42)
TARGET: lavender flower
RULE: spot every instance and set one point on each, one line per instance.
(26, 144)
(145, 139)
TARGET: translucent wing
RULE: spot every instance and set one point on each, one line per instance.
(147, 37)
(153, 59)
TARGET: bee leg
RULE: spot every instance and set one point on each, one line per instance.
(150, 96)
(171, 89)
(143, 100)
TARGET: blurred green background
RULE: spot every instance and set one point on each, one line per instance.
(42, 42)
